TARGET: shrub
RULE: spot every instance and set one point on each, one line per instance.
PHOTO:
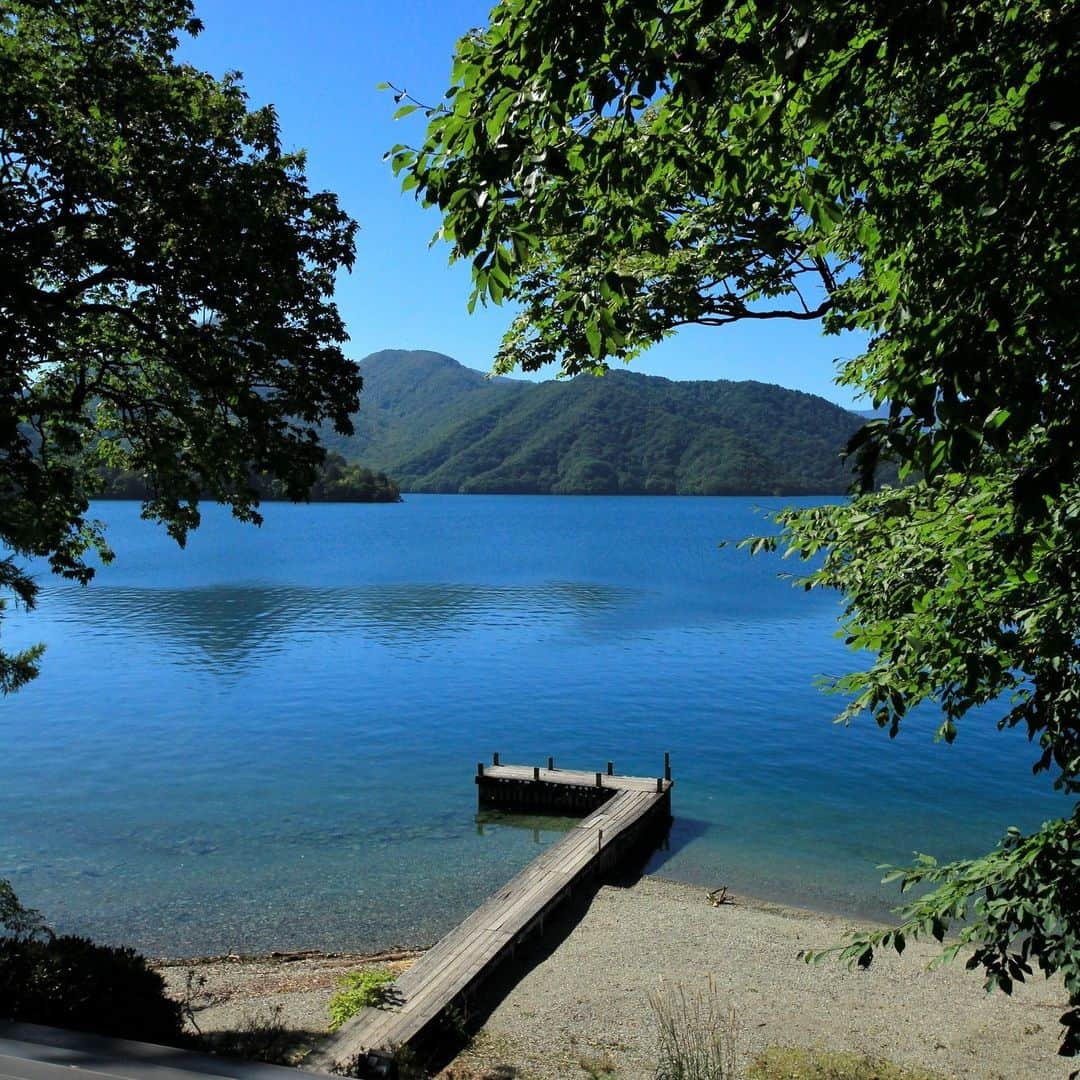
(70, 982)
(359, 990)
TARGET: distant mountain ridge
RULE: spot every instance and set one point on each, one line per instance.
(438, 426)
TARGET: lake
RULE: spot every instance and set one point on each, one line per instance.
(267, 741)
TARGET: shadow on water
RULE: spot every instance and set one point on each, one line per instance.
(226, 626)
(683, 832)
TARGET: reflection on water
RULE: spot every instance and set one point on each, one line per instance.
(227, 626)
(684, 831)
(544, 828)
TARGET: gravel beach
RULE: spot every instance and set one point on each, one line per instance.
(580, 999)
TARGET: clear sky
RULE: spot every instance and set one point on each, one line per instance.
(318, 63)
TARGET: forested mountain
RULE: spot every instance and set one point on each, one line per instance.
(435, 425)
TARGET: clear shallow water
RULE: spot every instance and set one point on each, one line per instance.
(268, 740)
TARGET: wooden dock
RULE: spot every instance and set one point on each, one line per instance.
(625, 815)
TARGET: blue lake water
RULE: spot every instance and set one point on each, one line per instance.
(268, 740)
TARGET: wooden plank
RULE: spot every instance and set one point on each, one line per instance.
(512, 907)
(572, 778)
(388, 1028)
(459, 974)
(464, 955)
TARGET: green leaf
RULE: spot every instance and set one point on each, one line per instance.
(592, 333)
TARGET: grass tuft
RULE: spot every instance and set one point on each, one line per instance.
(696, 1037)
(359, 989)
(797, 1063)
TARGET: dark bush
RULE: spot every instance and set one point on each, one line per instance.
(70, 982)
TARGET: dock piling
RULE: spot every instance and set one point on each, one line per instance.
(551, 764)
(536, 772)
(495, 758)
(667, 765)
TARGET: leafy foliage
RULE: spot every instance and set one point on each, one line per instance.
(438, 426)
(359, 990)
(165, 284)
(1026, 897)
(70, 982)
(910, 170)
(968, 602)
(19, 668)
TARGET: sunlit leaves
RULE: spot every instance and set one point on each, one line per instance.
(584, 139)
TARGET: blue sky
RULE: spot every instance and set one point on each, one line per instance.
(319, 64)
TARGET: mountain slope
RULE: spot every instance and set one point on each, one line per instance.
(437, 426)
(408, 394)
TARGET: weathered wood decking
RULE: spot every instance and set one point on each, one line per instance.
(628, 811)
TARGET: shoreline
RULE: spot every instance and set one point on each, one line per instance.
(406, 950)
(822, 910)
(580, 997)
(291, 956)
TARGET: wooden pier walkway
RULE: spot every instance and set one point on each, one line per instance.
(625, 814)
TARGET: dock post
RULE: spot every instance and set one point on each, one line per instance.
(599, 779)
(551, 764)
(667, 765)
(536, 772)
(495, 758)
(479, 768)
(659, 784)
(611, 768)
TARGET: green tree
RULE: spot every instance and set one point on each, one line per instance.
(336, 480)
(165, 285)
(908, 170)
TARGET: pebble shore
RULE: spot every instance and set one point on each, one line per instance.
(583, 1001)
